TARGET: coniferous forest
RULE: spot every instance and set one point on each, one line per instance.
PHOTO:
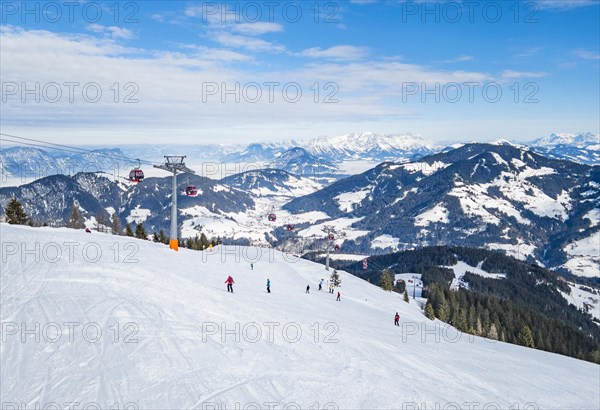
(524, 308)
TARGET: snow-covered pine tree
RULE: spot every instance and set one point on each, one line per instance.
(335, 278)
(443, 310)
(204, 242)
(140, 231)
(116, 225)
(386, 280)
(526, 337)
(190, 244)
(493, 332)
(75, 220)
(100, 221)
(429, 311)
(479, 328)
(162, 238)
(15, 214)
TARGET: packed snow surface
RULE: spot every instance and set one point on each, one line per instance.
(190, 344)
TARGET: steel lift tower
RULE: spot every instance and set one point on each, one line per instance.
(174, 164)
(331, 236)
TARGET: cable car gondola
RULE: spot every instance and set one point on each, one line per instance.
(272, 217)
(336, 248)
(289, 227)
(191, 190)
(331, 237)
(136, 175)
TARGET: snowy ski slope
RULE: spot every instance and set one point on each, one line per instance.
(181, 327)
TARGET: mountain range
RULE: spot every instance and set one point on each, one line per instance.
(317, 158)
(30, 163)
(480, 195)
(495, 196)
(582, 147)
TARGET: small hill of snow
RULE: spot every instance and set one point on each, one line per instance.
(124, 321)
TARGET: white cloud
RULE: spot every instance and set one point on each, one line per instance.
(528, 52)
(257, 28)
(564, 4)
(171, 83)
(196, 11)
(586, 54)
(514, 75)
(217, 54)
(249, 43)
(230, 28)
(459, 59)
(112, 31)
(25, 42)
(382, 78)
(342, 53)
(158, 17)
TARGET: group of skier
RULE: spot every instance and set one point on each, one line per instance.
(331, 289)
(229, 281)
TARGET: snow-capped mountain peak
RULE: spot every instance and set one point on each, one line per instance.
(369, 145)
(583, 147)
(585, 140)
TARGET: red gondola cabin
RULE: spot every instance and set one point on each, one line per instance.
(191, 190)
(136, 175)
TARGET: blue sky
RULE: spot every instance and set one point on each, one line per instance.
(163, 69)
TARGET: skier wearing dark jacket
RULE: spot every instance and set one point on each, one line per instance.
(268, 285)
(397, 319)
(230, 283)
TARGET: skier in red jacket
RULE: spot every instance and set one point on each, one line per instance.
(397, 319)
(338, 298)
(230, 283)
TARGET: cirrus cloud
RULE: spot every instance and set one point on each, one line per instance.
(342, 53)
(111, 31)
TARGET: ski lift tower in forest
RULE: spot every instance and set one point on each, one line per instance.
(174, 164)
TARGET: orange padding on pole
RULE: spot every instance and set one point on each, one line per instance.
(174, 244)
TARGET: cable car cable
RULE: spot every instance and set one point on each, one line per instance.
(70, 148)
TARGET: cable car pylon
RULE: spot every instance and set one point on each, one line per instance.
(330, 231)
(174, 164)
